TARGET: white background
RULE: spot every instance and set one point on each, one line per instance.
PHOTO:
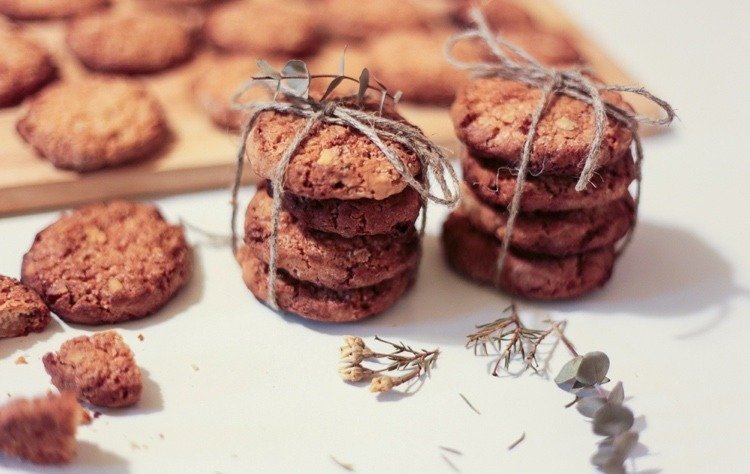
(674, 318)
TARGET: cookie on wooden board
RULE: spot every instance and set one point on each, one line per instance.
(41, 430)
(492, 115)
(108, 262)
(474, 254)
(95, 123)
(21, 309)
(495, 183)
(25, 67)
(322, 304)
(47, 9)
(358, 20)
(500, 14)
(130, 42)
(99, 369)
(326, 259)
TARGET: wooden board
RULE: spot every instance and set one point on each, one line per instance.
(200, 156)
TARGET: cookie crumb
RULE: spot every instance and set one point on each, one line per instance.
(140, 337)
(195, 367)
(97, 414)
(21, 360)
(134, 446)
(161, 435)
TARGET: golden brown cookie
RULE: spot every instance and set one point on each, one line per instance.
(322, 304)
(491, 116)
(495, 184)
(99, 370)
(333, 162)
(41, 430)
(130, 42)
(106, 263)
(357, 20)
(325, 259)
(474, 254)
(263, 27)
(548, 47)
(24, 67)
(500, 14)
(554, 233)
(94, 123)
(21, 310)
(328, 61)
(47, 9)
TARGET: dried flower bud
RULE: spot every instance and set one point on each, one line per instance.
(354, 373)
(352, 355)
(382, 383)
(353, 341)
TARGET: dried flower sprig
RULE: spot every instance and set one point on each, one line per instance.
(403, 364)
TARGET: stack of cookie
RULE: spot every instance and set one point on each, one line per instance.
(346, 244)
(563, 241)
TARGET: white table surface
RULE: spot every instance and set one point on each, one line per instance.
(233, 387)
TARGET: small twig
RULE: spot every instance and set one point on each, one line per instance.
(559, 328)
(449, 462)
(469, 403)
(518, 441)
(451, 450)
(343, 465)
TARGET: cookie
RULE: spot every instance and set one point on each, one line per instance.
(554, 233)
(41, 430)
(495, 184)
(108, 262)
(328, 61)
(333, 162)
(130, 42)
(492, 115)
(548, 47)
(24, 68)
(99, 370)
(474, 254)
(322, 304)
(215, 87)
(325, 259)
(413, 63)
(93, 124)
(499, 14)
(263, 28)
(358, 20)
(393, 215)
(47, 9)
(21, 310)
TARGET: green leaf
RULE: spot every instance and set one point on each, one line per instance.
(593, 368)
(617, 395)
(332, 86)
(267, 70)
(300, 84)
(611, 420)
(568, 372)
(364, 83)
(589, 406)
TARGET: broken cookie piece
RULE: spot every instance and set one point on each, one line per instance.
(41, 430)
(21, 310)
(99, 369)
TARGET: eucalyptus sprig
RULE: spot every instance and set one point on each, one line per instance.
(403, 364)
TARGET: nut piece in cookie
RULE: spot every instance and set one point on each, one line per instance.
(93, 124)
(24, 67)
(47, 9)
(263, 27)
(100, 370)
(109, 262)
(41, 430)
(21, 310)
(130, 42)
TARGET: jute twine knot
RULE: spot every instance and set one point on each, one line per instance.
(572, 82)
(369, 123)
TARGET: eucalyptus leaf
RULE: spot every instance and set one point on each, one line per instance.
(397, 96)
(299, 85)
(364, 83)
(589, 406)
(611, 420)
(331, 87)
(617, 395)
(267, 69)
(343, 62)
(593, 368)
(603, 455)
(614, 466)
(625, 442)
(567, 376)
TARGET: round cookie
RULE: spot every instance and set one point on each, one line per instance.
(348, 20)
(548, 47)
(325, 259)
(413, 63)
(333, 162)
(328, 61)
(93, 124)
(474, 254)
(47, 9)
(24, 68)
(107, 263)
(21, 310)
(282, 28)
(554, 233)
(495, 185)
(322, 304)
(215, 87)
(491, 116)
(130, 42)
(500, 14)
(393, 215)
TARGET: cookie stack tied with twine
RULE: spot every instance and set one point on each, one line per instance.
(330, 234)
(550, 156)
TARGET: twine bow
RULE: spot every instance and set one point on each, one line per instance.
(370, 124)
(571, 82)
